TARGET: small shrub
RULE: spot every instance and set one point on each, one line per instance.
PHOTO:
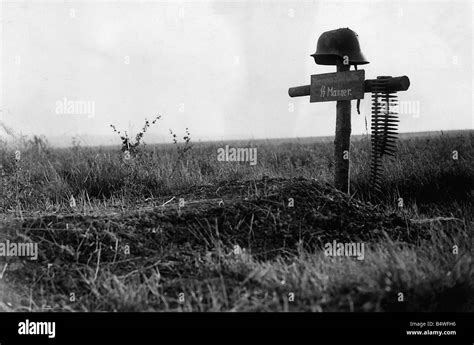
(132, 146)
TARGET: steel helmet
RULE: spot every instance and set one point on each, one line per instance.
(335, 44)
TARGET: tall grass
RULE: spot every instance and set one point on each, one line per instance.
(423, 172)
(170, 255)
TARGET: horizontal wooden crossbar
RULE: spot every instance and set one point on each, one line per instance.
(394, 84)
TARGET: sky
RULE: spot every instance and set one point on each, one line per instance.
(222, 68)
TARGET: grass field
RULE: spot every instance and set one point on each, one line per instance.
(168, 232)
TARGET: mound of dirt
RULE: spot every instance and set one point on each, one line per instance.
(268, 217)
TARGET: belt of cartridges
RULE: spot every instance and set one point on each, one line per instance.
(383, 128)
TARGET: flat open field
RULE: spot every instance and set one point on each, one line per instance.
(164, 231)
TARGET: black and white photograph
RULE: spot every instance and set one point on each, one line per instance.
(236, 171)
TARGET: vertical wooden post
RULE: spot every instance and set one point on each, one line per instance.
(342, 140)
